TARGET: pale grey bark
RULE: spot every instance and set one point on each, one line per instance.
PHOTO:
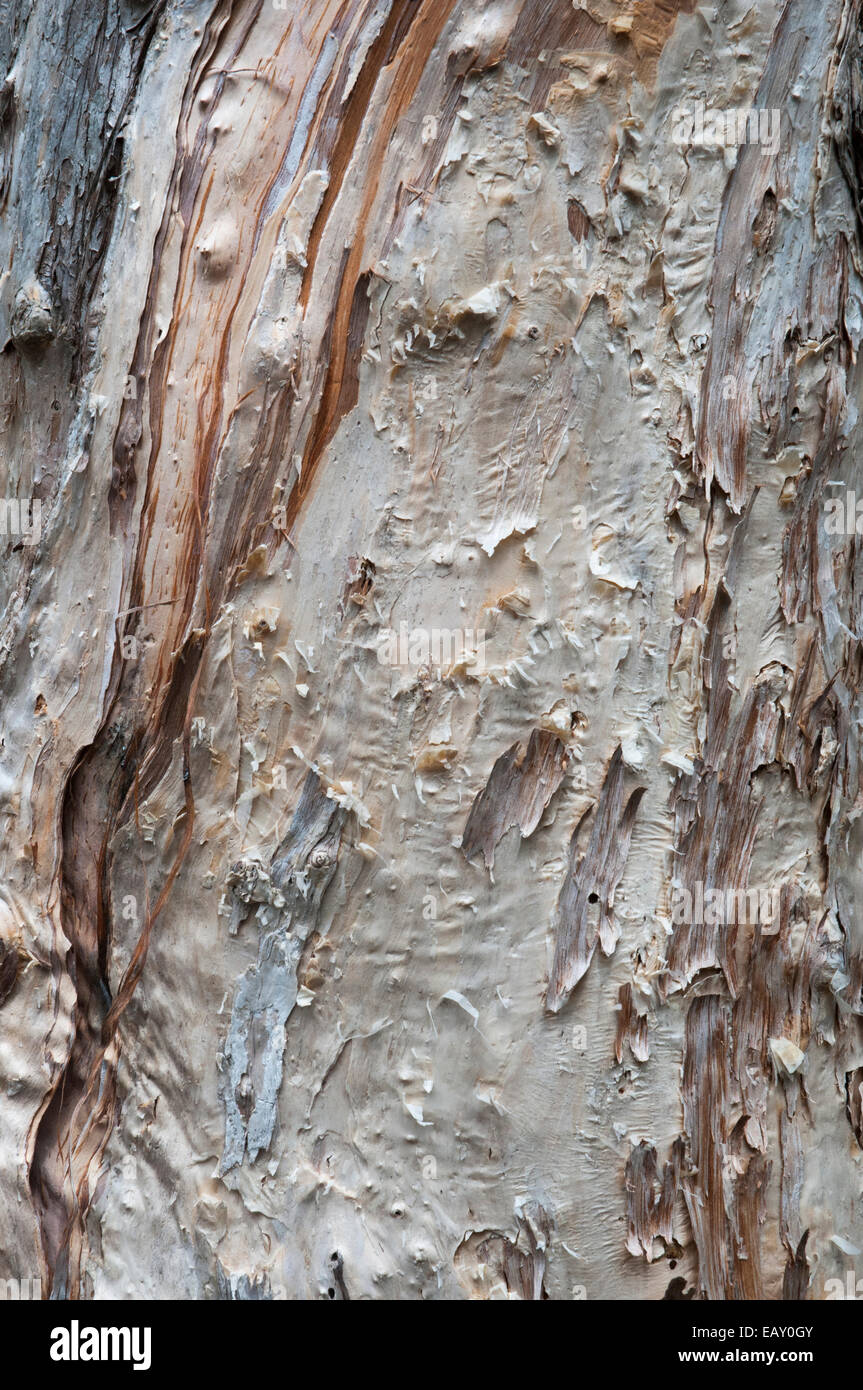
(422, 579)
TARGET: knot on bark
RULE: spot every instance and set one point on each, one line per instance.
(32, 316)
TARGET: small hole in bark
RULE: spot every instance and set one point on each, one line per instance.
(593, 897)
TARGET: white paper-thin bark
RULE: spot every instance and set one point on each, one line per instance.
(334, 331)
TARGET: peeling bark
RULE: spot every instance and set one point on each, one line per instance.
(421, 468)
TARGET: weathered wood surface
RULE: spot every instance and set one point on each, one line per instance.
(345, 318)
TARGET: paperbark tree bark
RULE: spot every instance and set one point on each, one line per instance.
(429, 442)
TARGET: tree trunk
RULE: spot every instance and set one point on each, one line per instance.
(431, 556)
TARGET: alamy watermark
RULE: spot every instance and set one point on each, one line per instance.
(849, 1288)
(843, 514)
(22, 519)
(435, 648)
(696, 126)
(715, 907)
(77, 1343)
(28, 1290)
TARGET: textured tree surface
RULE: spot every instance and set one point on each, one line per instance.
(334, 964)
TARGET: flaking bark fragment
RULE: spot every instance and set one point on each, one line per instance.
(8, 971)
(650, 1200)
(522, 783)
(586, 902)
(490, 1263)
(854, 1102)
(631, 1027)
(302, 870)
